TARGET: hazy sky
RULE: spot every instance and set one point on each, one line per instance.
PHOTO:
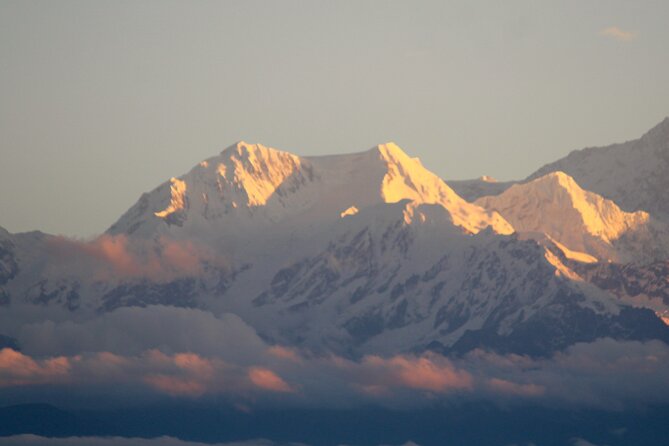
(101, 101)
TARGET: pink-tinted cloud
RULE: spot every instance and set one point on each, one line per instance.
(176, 386)
(194, 364)
(432, 373)
(605, 373)
(118, 256)
(17, 369)
(183, 374)
(268, 380)
(285, 353)
(183, 256)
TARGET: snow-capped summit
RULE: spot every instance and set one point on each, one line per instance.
(578, 220)
(633, 173)
(250, 184)
(406, 178)
(243, 176)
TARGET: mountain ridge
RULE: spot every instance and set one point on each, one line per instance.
(252, 178)
(632, 173)
(582, 221)
(359, 253)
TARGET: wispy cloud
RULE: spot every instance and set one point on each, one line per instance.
(616, 33)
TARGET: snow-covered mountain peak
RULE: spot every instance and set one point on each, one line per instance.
(253, 153)
(256, 170)
(633, 173)
(372, 253)
(177, 199)
(390, 150)
(240, 180)
(407, 178)
(254, 184)
(557, 206)
(248, 174)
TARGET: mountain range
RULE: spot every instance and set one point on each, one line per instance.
(372, 253)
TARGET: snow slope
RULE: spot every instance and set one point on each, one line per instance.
(252, 186)
(403, 276)
(632, 174)
(581, 221)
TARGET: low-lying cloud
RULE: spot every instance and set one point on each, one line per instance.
(115, 257)
(133, 330)
(189, 353)
(17, 369)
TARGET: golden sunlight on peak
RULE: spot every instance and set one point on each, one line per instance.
(575, 255)
(221, 169)
(391, 151)
(560, 268)
(350, 211)
(557, 206)
(241, 147)
(259, 171)
(177, 200)
(407, 178)
(244, 148)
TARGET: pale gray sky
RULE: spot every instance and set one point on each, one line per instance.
(103, 100)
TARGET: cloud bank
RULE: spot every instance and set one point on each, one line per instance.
(115, 257)
(187, 353)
